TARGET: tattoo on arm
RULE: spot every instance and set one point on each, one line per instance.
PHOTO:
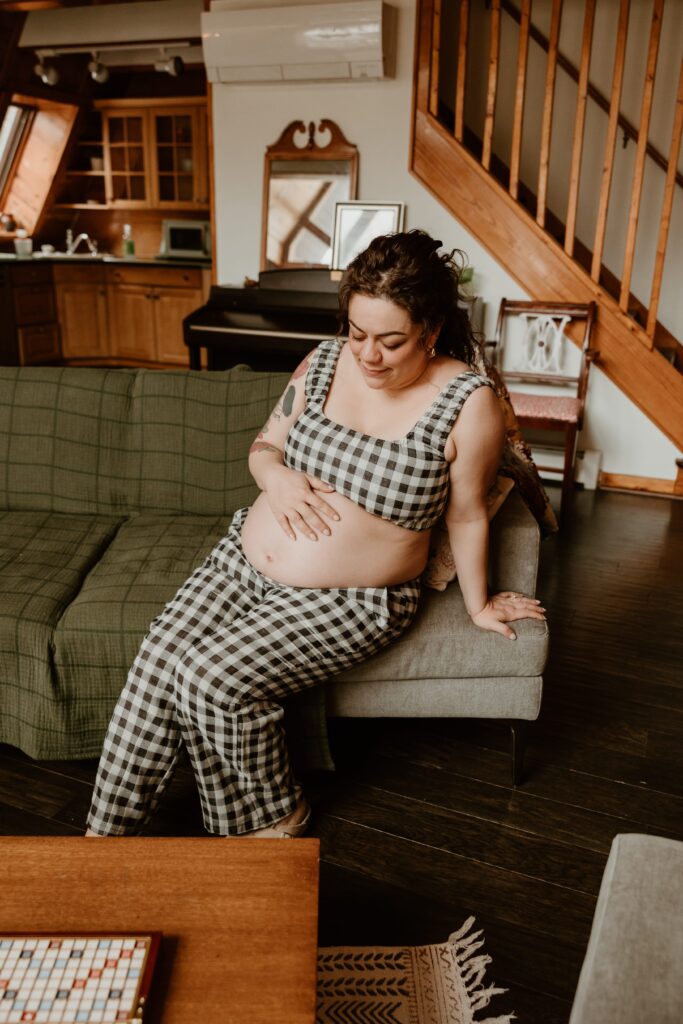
(301, 369)
(288, 400)
(263, 446)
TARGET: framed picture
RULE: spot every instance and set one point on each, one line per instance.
(357, 223)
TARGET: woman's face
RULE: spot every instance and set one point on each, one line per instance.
(388, 347)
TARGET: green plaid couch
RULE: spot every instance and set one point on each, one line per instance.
(115, 484)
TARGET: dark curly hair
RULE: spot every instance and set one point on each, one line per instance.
(407, 269)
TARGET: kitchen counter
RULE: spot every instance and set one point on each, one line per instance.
(80, 258)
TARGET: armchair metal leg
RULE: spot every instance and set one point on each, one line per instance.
(519, 730)
(568, 469)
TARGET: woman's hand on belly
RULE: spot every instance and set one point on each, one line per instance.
(295, 501)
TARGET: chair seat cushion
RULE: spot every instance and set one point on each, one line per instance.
(44, 559)
(445, 662)
(562, 409)
(100, 632)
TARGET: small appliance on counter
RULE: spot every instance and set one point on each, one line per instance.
(185, 239)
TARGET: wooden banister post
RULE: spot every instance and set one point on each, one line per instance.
(610, 141)
(547, 120)
(518, 116)
(579, 123)
(492, 86)
(641, 152)
(667, 205)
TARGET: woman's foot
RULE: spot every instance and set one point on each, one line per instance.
(291, 827)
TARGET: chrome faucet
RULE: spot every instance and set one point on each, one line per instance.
(73, 243)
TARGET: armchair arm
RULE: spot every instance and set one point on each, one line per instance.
(514, 547)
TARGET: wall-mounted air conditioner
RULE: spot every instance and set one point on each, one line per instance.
(309, 42)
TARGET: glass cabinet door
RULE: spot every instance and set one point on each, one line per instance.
(179, 143)
(126, 143)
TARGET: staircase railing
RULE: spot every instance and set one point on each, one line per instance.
(453, 18)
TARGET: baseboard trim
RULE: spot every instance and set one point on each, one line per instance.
(638, 484)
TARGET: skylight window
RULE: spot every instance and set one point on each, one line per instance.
(14, 127)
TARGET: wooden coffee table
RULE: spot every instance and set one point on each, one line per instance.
(239, 916)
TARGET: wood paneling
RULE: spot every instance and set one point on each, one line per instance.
(644, 484)
(40, 159)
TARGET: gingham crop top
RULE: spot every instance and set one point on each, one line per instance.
(404, 481)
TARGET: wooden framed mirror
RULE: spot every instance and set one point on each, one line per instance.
(307, 170)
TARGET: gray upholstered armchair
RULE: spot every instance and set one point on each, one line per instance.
(445, 667)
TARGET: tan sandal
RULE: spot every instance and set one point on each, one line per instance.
(278, 831)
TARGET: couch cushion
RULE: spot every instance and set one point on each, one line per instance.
(445, 666)
(63, 439)
(190, 439)
(44, 559)
(100, 632)
(631, 973)
(124, 441)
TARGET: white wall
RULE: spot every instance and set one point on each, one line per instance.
(376, 117)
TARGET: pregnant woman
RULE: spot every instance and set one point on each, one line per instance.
(374, 439)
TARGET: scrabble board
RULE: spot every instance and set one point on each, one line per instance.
(85, 978)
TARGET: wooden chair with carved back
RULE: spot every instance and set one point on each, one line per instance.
(546, 374)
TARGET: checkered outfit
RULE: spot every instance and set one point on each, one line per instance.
(216, 664)
(404, 481)
(210, 675)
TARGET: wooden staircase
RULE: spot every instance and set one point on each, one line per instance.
(544, 267)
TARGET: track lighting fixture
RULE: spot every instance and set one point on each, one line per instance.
(117, 55)
(171, 65)
(98, 72)
(47, 73)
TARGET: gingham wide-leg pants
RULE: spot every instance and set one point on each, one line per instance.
(210, 673)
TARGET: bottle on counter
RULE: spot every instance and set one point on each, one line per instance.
(23, 245)
(128, 241)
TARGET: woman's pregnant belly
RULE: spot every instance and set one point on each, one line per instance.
(361, 550)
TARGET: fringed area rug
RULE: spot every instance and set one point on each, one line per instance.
(441, 984)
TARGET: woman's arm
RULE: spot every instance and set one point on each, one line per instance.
(476, 442)
(293, 497)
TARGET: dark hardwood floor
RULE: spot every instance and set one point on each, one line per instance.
(420, 826)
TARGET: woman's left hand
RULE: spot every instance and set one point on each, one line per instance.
(507, 607)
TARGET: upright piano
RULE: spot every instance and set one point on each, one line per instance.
(270, 325)
(274, 323)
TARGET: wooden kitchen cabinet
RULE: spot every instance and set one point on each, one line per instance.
(33, 317)
(140, 155)
(147, 306)
(38, 343)
(82, 310)
(179, 157)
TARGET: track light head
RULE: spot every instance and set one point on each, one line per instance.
(98, 72)
(171, 65)
(47, 73)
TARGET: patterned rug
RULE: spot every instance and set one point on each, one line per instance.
(441, 984)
